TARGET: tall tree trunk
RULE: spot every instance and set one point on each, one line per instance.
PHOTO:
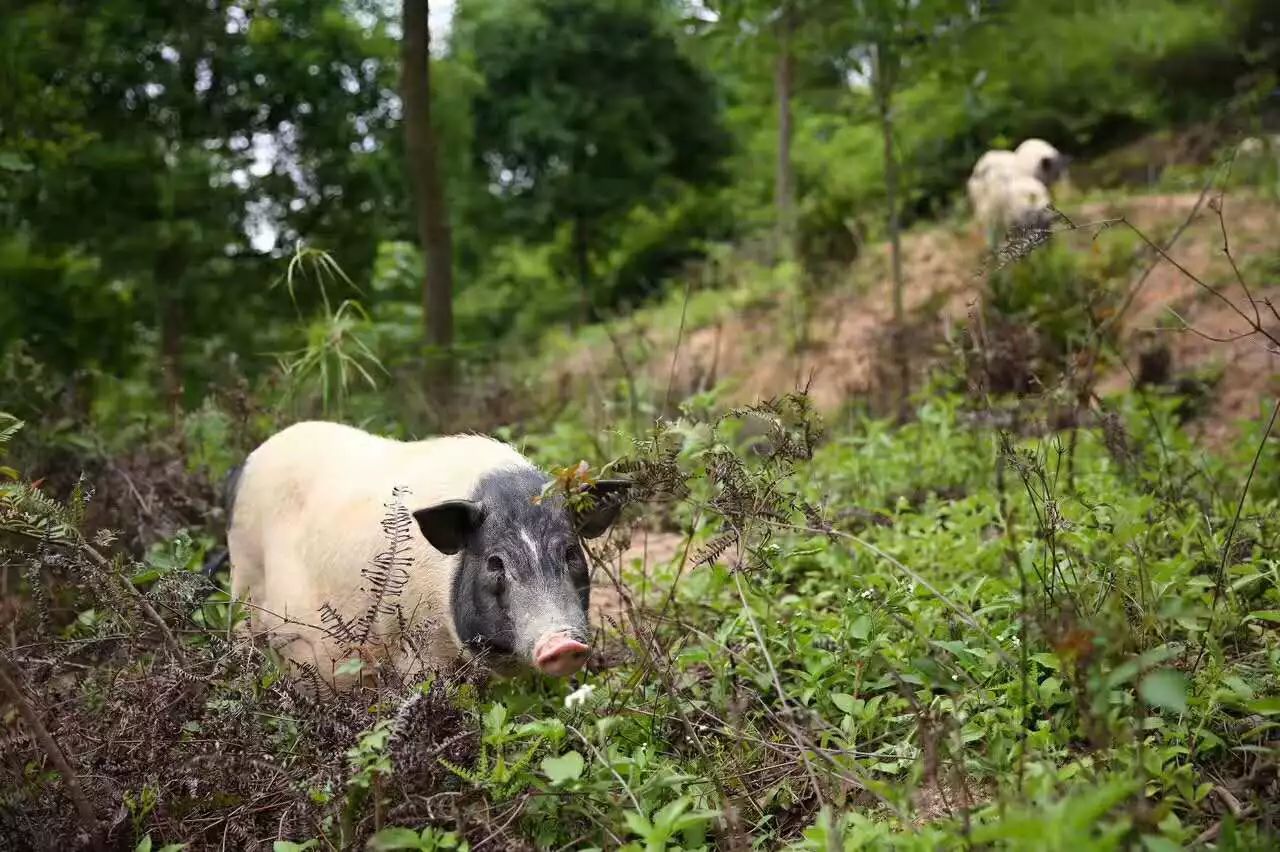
(582, 259)
(171, 347)
(784, 190)
(423, 152)
(883, 83)
(170, 317)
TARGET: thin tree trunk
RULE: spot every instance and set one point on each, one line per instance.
(423, 152)
(170, 316)
(171, 348)
(884, 104)
(784, 174)
(582, 258)
(884, 107)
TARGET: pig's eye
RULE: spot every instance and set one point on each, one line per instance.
(495, 565)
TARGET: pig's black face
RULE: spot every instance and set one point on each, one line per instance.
(1051, 169)
(521, 590)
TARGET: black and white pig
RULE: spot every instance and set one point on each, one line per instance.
(492, 570)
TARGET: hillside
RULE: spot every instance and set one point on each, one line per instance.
(781, 568)
(753, 353)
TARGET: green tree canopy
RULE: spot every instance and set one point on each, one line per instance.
(588, 109)
(146, 143)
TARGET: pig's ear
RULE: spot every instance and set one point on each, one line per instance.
(448, 525)
(607, 497)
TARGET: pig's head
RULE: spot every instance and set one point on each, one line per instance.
(521, 590)
(1045, 162)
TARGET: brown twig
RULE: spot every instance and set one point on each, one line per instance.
(84, 811)
(139, 598)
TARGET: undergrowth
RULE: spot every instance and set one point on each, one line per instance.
(914, 636)
(1025, 617)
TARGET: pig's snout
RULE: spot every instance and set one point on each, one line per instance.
(558, 654)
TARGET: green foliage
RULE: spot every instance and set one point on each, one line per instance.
(567, 134)
(673, 819)
(145, 845)
(427, 840)
(495, 770)
(27, 511)
(934, 633)
(335, 353)
(288, 846)
(1165, 689)
(135, 180)
(566, 767)
(1066, 291)
(370, 763)
(887, 609)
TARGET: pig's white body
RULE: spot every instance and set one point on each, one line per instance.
(307, 521)
(1007, 187)
(1012, 199)
(992, 169)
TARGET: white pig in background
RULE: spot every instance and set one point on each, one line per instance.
(1038, 159)
(487, 567)
(1012, 188)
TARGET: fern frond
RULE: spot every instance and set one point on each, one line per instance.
(29, 512)
(710, 553)
(337, 627)
(9, 426)
(462, 772)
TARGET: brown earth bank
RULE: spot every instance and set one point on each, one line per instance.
(840, 357)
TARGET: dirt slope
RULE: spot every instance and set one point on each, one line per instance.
(754, 354)
(1250, 371)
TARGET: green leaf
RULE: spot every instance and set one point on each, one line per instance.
(1238, 687)
(144, 845)
(1266, 706)
(395, 837)
(146, 576)
(671, 812)
(1272, 615)
(11, 162)
(861, 628)
(1166, 689)
(1049, 689)
(290, 846)
(847, 703)
(566, 767)
(638, 823)
(353, 666)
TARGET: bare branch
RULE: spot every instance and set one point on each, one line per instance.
(1226, 250)
(84, 811)
(1186, 326)
(141, 599)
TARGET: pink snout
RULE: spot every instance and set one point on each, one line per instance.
(558, 655)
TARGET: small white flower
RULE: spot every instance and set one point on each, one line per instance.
(579, 696)
(868, 594)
